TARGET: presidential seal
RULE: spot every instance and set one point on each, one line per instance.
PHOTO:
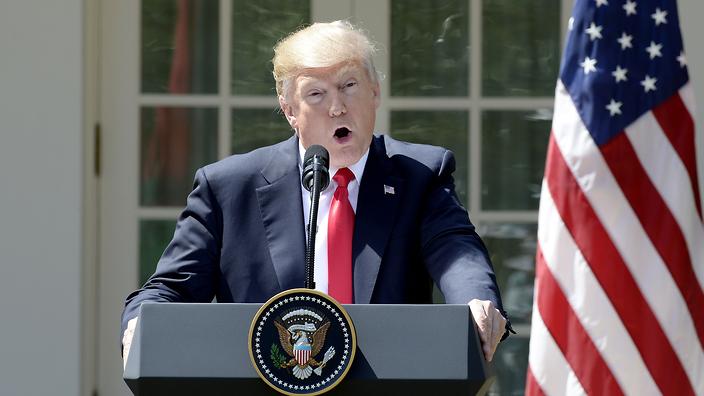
(302, 342)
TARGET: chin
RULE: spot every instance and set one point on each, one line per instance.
(342, 160)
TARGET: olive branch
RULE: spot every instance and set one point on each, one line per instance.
(277, 357)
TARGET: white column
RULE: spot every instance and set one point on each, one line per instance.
(41, 171)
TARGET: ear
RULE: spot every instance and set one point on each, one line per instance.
(376, 93)
(288, 112)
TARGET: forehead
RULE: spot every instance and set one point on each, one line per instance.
(332, 73)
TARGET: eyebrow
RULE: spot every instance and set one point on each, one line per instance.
(351, 70)
(344, 73)
(346, 69)
(339, 73)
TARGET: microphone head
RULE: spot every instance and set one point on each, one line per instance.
(316, 158)
(316, 149)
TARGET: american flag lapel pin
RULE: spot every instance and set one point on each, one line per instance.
(389, 190)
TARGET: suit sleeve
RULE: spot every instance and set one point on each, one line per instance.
(454, 254)
(188, 270)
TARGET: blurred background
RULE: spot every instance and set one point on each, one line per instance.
(108, 107)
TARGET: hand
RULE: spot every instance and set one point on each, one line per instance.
(490, 324)
(127, 340)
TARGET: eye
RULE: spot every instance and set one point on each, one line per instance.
(350, 84)
(314, 96)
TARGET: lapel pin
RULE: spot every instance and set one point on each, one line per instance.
(389, 190)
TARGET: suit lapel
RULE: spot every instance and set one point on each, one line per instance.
(376, 214)
(282, 214)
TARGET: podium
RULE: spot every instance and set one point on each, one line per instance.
(201, 349)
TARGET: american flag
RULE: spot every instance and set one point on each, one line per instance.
(619, 303)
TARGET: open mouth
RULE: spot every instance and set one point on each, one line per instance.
(342, 132)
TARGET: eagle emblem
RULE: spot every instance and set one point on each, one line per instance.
(302, 341)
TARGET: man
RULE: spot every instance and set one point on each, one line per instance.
(389, 223)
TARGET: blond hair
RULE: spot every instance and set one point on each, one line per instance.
(321, 45)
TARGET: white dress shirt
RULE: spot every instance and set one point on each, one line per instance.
(320, 276)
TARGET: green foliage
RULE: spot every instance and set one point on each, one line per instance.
(277, 357)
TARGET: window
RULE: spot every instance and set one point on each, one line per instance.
(475, 76)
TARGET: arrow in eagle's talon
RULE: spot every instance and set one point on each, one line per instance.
(328, 355)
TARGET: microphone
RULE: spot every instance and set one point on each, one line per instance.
(315, 178)
(315, 163)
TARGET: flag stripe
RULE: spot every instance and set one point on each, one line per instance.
(591, 305)
(612, 273)
(658, 222)
(677, 123)
(668, 173)
(626, 233)
(569, 335)
(687, 95)
(555, 378)
(532, 386)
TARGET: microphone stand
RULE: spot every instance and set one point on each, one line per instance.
(312, 227)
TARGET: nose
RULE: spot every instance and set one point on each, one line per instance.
(337, 106)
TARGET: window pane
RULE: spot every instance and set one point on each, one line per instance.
(448, 129)
(256, 27)
(254, 128)
(512, 250)
(514, 144)
(154, 235)
(429, 48)
(510, 364)
(179, 46)
(520, 47)
(175, 141)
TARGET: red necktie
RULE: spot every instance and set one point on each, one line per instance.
(340, 229)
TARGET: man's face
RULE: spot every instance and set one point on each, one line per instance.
(334, 107)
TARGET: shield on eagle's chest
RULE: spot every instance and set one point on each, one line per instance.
(301, 350)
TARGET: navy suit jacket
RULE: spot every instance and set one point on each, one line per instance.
(241, 237)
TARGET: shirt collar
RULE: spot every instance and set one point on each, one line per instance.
(357, 168)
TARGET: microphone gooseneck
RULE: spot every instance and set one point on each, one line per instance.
(315, 179)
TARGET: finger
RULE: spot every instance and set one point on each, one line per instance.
(484, 325)
(501, 328)
(496, 319)
(480, 319)
(125, 354)
(126, 345)
(495, 330)
(127, 340)
(490, 325)
(489, 346)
